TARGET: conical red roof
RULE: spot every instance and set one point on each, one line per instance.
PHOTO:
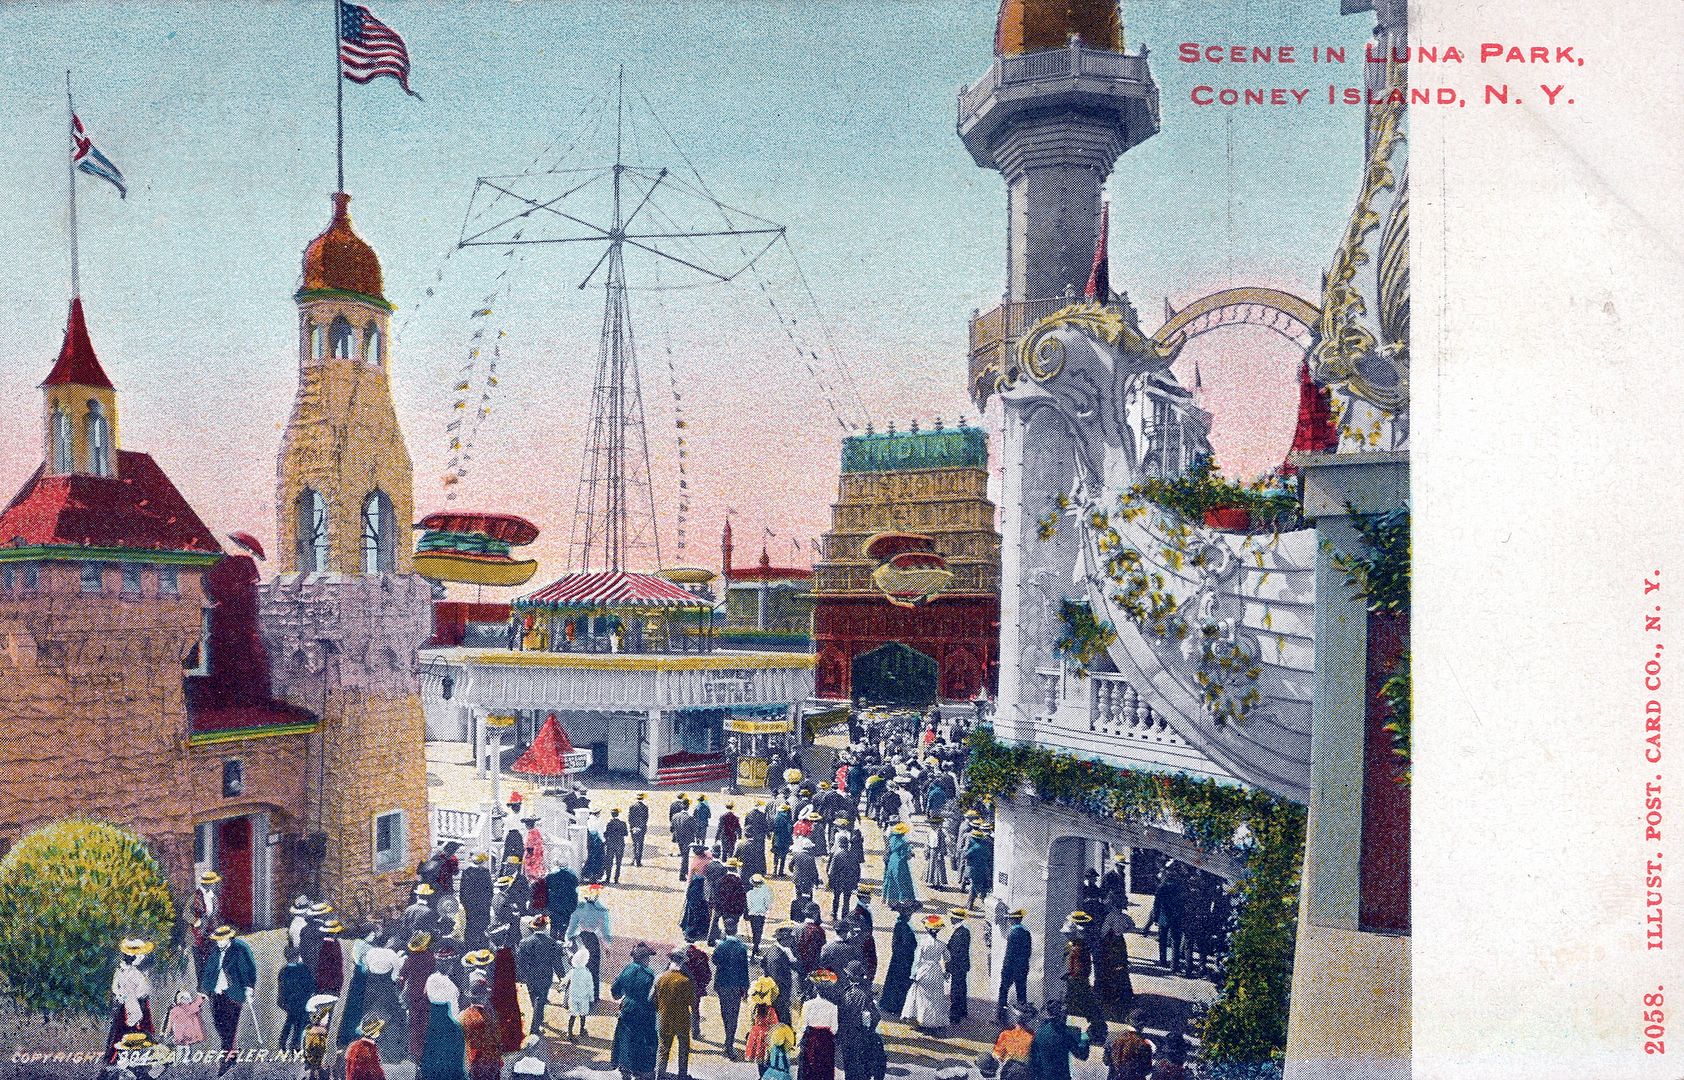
(77, 365)
(544, 756)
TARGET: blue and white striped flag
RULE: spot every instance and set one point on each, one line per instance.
(88, 158)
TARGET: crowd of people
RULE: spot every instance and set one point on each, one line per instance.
(431, 991)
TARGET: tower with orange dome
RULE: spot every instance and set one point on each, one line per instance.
(1060, 104)
(343, 618)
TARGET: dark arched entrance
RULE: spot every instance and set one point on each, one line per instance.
(894, 674)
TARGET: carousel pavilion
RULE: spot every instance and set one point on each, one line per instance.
(629, 665)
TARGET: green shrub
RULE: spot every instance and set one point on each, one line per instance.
(69, 892)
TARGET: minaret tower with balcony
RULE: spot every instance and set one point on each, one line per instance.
(1060, 104)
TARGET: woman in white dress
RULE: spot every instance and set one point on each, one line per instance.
(927, 1002)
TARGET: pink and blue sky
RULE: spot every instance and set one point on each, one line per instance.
(833, 118)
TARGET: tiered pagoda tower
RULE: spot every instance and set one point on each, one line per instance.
(933, 483)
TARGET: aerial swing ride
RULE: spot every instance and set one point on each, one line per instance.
(653, 215)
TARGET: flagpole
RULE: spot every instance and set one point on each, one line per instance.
(339, 98)
(70, 127)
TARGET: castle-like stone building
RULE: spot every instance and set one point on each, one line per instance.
(271, 733)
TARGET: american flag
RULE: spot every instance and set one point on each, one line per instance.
(368, 48)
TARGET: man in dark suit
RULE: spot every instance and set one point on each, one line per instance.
(1014, 970)
(535, 963)
(959, 966)
(778, 962)
(229, 977)
(614, 844)
(638, 820)
(730, 983)
(474, 891)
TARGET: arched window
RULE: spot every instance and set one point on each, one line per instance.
(373, 345)
(98, 432)
(379, 534)
(311, 528)
(339, 338)
(64, 460)
(318, 342)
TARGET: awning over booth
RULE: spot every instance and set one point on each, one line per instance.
(610, 589)
(750, 726)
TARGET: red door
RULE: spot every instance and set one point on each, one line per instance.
(233, 862)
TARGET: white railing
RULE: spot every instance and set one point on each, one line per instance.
(462, 826)
(1118, 709)
(1071, 62)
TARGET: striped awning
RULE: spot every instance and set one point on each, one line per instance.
(607, 589)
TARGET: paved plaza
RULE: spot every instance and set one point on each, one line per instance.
(647, 902)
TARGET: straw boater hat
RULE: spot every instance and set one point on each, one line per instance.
(1017, 913)
(511, 860)
(317, 910)
(643, 795)
(223, 933)
(733, 863)
(300, 906)
(863, 890)
(479, 958)
(785, 806)
(758, 879)
(958, 914)
(135, 947)
(135, 1040)
(371, 1027)
(210, 877)
(505, 881)
(1120, 858)
(812, 815)
(421, 941)
(901, 828)
(333, 926)
(614, 812)
(423, 889)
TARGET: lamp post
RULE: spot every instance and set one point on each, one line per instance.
(495, 724)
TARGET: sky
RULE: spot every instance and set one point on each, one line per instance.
(834, 119)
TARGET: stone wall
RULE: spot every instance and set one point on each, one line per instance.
(343, 440)
(93, 716)
(279, 771)
(344, 647)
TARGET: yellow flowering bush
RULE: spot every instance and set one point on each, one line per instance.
(69, 892)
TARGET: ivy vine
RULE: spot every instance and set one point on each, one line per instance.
(1085, 637)
(1245, 1026)
(1380, 575)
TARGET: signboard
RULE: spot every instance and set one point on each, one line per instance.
(576, 760)
(747, 726)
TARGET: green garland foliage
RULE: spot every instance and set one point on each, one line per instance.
(1202, 487)
(1245, 1027)
(69, 892)
(1085, 636)
(1380, 574)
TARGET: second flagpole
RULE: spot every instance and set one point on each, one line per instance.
(339, 97)
(75, 257)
